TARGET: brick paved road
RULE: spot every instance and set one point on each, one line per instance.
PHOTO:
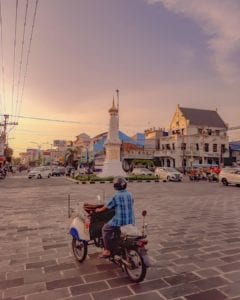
(193, 236)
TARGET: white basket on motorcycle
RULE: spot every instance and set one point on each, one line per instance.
(130, 231)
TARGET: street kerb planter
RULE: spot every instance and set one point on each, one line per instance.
(110, 180)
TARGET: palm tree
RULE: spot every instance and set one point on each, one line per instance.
(69, 156)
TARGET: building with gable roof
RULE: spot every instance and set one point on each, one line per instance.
(195, 136)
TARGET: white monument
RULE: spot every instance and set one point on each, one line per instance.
(112, 164)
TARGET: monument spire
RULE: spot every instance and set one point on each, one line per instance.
(112, 163)
(117, 91)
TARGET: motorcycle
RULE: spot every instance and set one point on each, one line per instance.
(128, 243)
(3, 173)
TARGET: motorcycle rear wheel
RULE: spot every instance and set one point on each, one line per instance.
(137, 269)
(79, 249)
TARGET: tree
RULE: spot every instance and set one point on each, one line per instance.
(69, 156)
(8, 153)
(16, 161)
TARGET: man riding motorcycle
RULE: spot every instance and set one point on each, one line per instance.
(122, 203)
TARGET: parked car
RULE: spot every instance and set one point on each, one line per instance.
(40, 172)
(58, 171)
(70, 171)
(85, 171)
(142, 171)
(230, 176)
(168, 174)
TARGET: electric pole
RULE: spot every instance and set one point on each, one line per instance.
(3, 135)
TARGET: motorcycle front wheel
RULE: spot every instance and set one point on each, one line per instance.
(79, 249)
(136, 268)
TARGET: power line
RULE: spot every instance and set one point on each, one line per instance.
(14, 52)
(28, 54)
(17, 112)
(47, 119)
(2, 100)
(21, 59)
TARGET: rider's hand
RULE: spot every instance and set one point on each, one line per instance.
(100, 209)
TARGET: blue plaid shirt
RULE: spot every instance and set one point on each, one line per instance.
(122, 202)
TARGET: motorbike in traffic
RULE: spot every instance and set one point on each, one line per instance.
(128, 243)
(3, 173)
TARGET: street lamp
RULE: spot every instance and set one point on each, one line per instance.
(39, 147)
(51, 158)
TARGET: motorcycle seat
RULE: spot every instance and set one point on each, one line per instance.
(88, 207)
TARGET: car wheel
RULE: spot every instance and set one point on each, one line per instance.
(49, 175)
(39, 176)
(224, 181)
(168, 178)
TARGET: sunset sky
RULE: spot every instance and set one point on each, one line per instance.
(158, 53)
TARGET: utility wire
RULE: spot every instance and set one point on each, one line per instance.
(27, 61)
(21, 59)
(2, 100)
(14, 53)
(28, 54)
(46, 119)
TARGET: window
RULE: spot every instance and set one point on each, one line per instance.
(217, 132)
(214, 147)
(197, 147)
(209, 131)
(163, 147)
(223, 149)
(183, 146)
(200, 131)
(173, 146)
(206, 147)
(168, 147)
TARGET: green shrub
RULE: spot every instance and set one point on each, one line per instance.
(93, 178)
(141, 177)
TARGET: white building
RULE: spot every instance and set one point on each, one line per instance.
(196, 136)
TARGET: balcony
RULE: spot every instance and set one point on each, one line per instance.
(165, 152)
(137, 155)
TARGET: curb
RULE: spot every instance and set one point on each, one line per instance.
(101, 182)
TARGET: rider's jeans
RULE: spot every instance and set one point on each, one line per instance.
(107, 233)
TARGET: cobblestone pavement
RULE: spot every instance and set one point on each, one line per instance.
(194, 242)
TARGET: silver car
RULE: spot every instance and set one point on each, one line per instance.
(229, 176)
(168, 174)
(142, 171)
(40, 172)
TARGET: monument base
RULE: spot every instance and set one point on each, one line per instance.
(112, 168)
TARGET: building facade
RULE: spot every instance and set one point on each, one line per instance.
(195, 136)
